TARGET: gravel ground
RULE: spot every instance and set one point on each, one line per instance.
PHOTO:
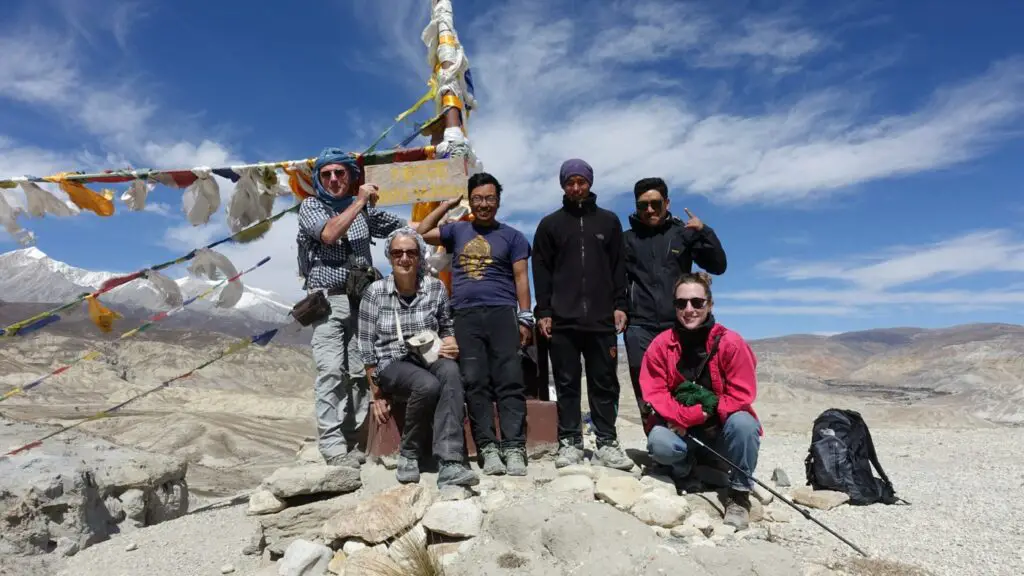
(197, 544)
(966, 516)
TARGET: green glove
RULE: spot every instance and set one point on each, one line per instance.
(690, 394)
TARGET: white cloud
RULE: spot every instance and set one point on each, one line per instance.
(973, 253)
(541, 102)
(870, 284)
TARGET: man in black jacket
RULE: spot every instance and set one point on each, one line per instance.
(659, 248)
(580, 281)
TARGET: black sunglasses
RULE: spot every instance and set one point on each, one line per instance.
(398, 253)
(697, 303)
(643, 205)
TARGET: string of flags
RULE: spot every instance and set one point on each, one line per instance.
(261, 339)
(94, 355)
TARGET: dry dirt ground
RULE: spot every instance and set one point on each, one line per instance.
(242, 418)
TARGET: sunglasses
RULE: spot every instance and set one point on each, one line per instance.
(643, 205)
(398, 253)
(697, 303)
(338, 173)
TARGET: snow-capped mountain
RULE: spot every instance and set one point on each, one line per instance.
(29, 275)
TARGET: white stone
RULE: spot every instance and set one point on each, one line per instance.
(305, 558)
(227, 569)
(263, 501)
(659, 509)
(459, 519)
(576, 484)
(352, 546)
(619, 491)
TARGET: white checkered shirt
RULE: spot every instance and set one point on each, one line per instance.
(327, 264)
(378, 335)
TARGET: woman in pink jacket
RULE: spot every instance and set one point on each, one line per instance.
(707, 365)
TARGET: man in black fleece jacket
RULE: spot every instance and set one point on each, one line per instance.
(579, 278)
(659, 248)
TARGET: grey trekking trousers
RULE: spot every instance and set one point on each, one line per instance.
(342, 394)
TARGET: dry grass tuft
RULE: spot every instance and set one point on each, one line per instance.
(878, 567)
(416, 560)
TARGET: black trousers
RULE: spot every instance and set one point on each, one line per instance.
(637, 339)
(600, 354)
(434, 402)
(488, 338)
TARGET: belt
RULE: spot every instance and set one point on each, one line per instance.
(335, 291)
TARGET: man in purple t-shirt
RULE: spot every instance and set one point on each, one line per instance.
(491, 305)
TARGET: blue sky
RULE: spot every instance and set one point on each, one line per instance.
(861, 164)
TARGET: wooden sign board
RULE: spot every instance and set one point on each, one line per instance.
(422, 181)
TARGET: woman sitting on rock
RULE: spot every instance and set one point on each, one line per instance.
(407, 341)
(700, 379)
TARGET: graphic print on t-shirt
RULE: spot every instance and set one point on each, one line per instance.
(476, 257)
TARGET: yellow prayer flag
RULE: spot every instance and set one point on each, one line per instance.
(101, 316)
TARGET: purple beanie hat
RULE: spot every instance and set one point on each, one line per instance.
(575, 167)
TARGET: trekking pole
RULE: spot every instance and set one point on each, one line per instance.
(803, 512)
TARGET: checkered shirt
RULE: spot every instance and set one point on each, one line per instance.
(378, 335)
(327, 264)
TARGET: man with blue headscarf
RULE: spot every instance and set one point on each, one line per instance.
(335, 230)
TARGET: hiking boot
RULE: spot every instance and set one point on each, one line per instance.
(408, 470)
(515, 461)
(568, 453)
(456, 474)
(611, 455)
(352, 459)
(737, 510)
(493, 466)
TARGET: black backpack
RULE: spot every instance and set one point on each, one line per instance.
(841, 456)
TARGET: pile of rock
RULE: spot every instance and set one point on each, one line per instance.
(316, 519)
(64, 496)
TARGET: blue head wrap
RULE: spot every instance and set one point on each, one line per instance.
(335, 156)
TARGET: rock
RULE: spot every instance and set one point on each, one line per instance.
(454, 493)
(263, 501)
(388, 462)
(337, 563)
(820, 499)
(700, 521)
(370, 563)
(304, 558)
(492, 501)
(539, 538)
(747, 557)
(723, 530)
(661, 532)
(312, 479)
(257, 542)
(227, 569)
(300, 521)
(709, 502)
(131, 547)
(166, 502)
(381, 517)
(780, 478)
(67, 547)
(309, 453)
(133, 502)
(620, 491)
(577, 485)
(778, 515)
(763, 496)
(687, 532)
(352, 546)
(655, 482)
(659, 509)
(578, 469)
(115, 509)
(460, 519)
(408, 544)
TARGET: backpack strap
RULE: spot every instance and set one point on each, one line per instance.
(704, 362)
(872, 455)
